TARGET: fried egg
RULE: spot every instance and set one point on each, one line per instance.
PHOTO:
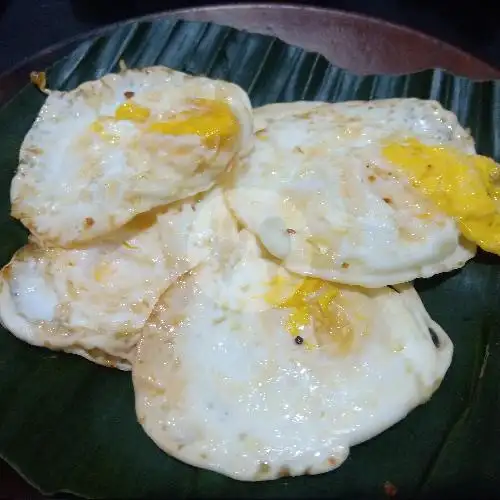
(119, 146)
(322, 197)
(94, 301)
(254, 372)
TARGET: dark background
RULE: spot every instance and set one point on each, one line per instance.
(27, 26)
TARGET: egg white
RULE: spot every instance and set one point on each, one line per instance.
(221, 384)
(94, 300)
(73, 184)
(317, 193)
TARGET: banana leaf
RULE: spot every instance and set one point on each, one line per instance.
(68, 425)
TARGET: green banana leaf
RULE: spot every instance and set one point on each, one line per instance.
(68, 425)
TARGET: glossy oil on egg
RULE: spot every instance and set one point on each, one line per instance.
(94, 301)
(319, 192)
(223, 383)
(113, 148)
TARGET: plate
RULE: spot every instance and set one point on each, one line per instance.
(67, 425)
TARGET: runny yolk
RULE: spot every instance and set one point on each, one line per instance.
(212, 120)
(464, 186)
(310, 301)
(132, 112)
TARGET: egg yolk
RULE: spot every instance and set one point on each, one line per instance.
(214, 121)
(132, 112)
(310, 301)
(464, 186)
(211, 120)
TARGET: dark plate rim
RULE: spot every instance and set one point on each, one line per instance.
(470, 66)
